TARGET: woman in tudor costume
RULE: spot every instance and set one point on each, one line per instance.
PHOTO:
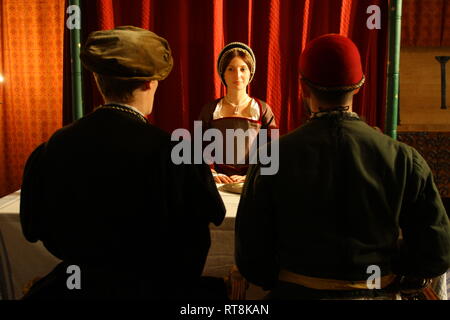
(236, 110)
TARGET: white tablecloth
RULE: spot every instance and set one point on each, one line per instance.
(221, 254)
(20, 260)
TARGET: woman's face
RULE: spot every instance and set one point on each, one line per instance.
(237, 74)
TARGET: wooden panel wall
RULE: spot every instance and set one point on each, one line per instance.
(420, 90)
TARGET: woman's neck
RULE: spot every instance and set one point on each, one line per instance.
(236, 96)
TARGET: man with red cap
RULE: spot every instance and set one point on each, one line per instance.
(351, 213)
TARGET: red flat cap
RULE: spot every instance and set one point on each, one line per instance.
(332, 63)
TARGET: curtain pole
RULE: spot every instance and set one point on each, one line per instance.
(75, 43)
(395, 18)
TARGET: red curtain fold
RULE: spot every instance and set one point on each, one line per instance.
(370, 102)
(277, 31)
(426, 23)
(277, 46)
(445, 32)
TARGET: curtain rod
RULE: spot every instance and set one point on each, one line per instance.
(394, 40)
(74, 24)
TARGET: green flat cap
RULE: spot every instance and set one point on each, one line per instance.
(127, 53)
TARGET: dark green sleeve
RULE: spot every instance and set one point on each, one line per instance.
(255, 235)
(425, 225)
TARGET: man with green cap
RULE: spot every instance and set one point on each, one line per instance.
(328, 225)
(103, 195)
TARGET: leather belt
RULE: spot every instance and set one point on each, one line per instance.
(331, 284)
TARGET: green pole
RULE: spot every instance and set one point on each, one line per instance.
(74, 24)
(395, 18)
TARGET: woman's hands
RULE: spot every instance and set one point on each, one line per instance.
(223, 178)
(237, 178)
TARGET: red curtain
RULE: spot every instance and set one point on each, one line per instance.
(426, 23)
(370, 102)
(31, 57)
(277, 31)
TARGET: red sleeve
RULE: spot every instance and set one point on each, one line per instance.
(268, 118)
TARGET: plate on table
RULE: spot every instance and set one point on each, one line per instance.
(232, 187)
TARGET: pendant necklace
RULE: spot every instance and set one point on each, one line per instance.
(237, 105)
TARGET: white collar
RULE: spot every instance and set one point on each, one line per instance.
(254, 111)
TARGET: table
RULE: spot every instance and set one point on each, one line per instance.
(221, 253)
(22, 261)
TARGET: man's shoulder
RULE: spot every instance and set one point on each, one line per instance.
(92, 125)
(312, 130)
(373, 136)
(371, 133)
(303, 132)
